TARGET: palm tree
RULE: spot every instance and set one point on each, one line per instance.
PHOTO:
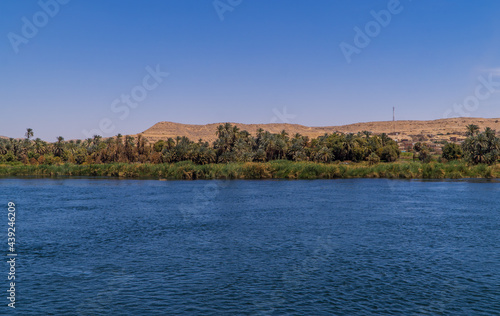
(324, 155)
(472, 130)
(170, 143)
(384, 138)
(59, 146)
(220, 131)
(87, 144)
(235, 133)
(141, 143)
(489, 133)
(481, 147)
(29, 133)
(281, 147)
(129, 148)
(3, 148)
(72, 146)
(97, 139)
(348, 146)
(259, 132)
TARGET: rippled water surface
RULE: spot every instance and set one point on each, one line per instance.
(346, 247)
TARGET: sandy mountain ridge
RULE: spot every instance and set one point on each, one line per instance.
(452, 129)
(408, 131)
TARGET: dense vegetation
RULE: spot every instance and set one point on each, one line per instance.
(481, 147)
(231, 145)
(276, 169)
(236, 154)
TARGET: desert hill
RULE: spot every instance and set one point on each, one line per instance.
(452, 129)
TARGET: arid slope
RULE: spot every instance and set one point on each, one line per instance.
(442, 129)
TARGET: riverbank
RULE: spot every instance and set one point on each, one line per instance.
(252, 170)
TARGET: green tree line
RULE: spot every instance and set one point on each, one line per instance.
(235, 145)
(478, 148)
(231, 145)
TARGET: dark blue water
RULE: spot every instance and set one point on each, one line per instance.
(345, 247)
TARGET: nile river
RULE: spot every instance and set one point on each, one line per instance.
(324, 247)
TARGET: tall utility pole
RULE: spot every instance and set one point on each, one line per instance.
(394, 119)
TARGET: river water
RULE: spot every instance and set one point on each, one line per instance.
(323, 247)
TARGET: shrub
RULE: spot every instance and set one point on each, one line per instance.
(452, 151)
(373, 159)
(389, 153)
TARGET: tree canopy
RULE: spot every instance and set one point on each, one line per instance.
(231, 145)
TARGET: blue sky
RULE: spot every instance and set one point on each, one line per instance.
(263, 57)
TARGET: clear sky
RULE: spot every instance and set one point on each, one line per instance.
(67, 68)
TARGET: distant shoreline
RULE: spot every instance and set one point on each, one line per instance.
(279, 169)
